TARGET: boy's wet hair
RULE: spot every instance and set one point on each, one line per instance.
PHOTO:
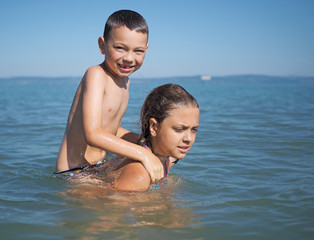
(159, 103)
(125, 18)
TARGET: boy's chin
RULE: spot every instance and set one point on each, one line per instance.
(116, 72)
(124, 74)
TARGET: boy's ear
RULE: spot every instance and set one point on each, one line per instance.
(101, 44)
(153, 127)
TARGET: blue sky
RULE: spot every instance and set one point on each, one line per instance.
(59, 38)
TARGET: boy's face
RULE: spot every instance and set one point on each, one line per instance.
(125, 51)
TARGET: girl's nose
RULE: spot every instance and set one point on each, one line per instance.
(187, 136)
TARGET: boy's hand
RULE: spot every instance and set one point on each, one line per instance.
(153, 166)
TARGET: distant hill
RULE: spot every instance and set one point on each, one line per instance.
(43, 80)
(256, 77)
(248, 77)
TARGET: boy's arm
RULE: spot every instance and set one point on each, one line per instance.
(102, 139)
(97, 137)
(127, 135)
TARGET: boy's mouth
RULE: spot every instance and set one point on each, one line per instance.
(126, 68)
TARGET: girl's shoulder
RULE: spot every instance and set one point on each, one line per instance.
(132, 176)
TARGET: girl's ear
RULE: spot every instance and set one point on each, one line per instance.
(101, 44)
(153, 127)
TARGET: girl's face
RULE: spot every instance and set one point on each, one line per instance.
(125, 50)
(176, 134)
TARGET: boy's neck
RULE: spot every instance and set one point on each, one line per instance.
(120, 81)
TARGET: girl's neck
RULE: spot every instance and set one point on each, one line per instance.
(165, 162)
(163, 158)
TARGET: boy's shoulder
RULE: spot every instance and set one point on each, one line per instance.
(97, 70)
(96, 73)
(98, 76)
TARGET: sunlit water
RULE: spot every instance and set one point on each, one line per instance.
(250, 174)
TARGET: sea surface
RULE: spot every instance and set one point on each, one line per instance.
(250, 174)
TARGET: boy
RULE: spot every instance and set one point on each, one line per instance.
(101, 100)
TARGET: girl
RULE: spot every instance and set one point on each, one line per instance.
(169, 121)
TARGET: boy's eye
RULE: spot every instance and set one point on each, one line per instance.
(119, 48)
(139, 51)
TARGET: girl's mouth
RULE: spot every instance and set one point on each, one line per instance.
(183, 149)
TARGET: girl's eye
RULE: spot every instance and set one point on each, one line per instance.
(178, 129)
(194, 130)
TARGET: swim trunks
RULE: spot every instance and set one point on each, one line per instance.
(80, 172)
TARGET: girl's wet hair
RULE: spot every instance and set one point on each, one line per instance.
(125, 18)
(158, 105)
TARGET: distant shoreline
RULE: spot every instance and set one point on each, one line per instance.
(245, 77)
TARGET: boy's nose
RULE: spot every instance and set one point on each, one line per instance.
(128, 57)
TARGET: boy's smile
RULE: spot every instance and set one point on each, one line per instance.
(124, 51)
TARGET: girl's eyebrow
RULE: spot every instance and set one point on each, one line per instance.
(184, 126)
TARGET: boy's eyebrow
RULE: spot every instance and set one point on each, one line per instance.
(125, 45)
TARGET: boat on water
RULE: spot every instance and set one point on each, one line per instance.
(206, 78)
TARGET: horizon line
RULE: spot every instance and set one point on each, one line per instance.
(163, 77)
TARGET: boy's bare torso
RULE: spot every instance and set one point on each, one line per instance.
(113, 95)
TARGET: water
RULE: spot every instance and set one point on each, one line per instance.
(250, 174)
